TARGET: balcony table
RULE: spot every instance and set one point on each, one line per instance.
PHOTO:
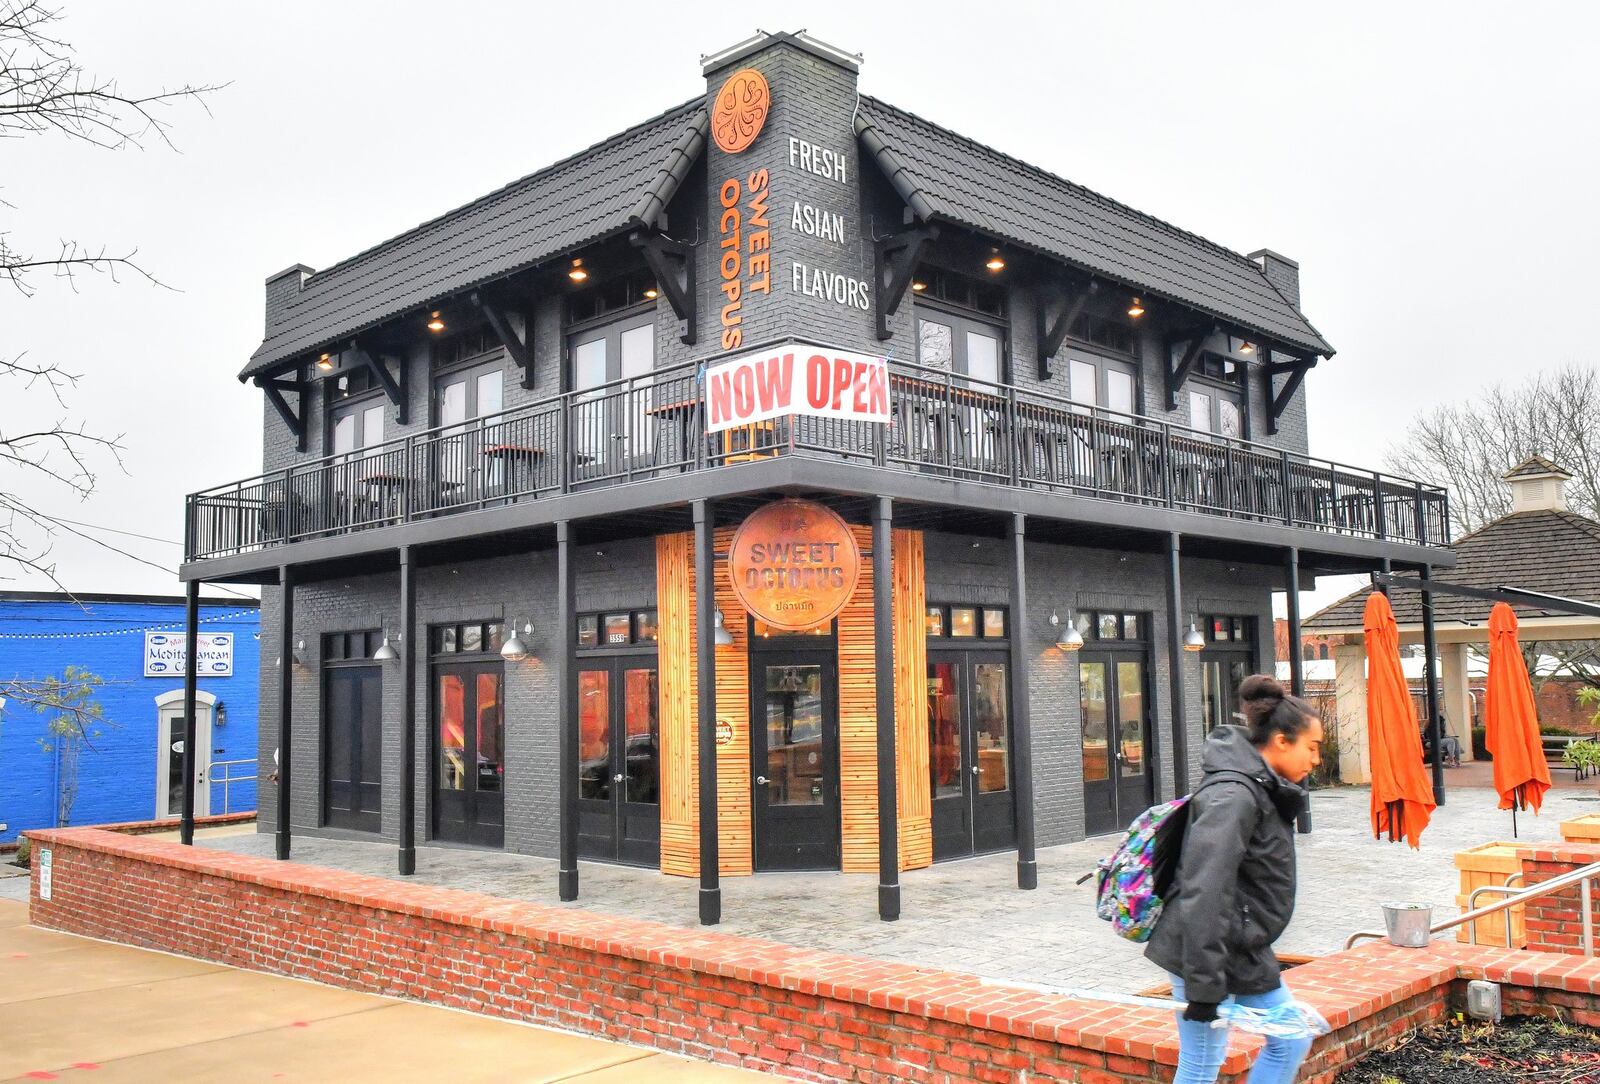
(521, 463)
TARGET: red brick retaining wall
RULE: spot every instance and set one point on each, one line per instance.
(803, 1013)
(1555, 922)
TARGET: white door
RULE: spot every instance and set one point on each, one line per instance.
(169, 760)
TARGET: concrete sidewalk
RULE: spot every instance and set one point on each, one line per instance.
(77, 1008)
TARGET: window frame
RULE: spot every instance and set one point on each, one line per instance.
(357, 404)
(470, 369)
(1236, 388)
(978, 639)
(634, 646)
(1103, 362)
(961, 320)
(611, 328)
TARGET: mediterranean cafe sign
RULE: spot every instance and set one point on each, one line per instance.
(794, 564)
(166, 654)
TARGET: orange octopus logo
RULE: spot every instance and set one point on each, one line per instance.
(740, 110)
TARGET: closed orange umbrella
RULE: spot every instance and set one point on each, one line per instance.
(1402, 795)
(1511, 721)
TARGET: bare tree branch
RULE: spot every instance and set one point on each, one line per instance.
(1467, 446)
(44, 90)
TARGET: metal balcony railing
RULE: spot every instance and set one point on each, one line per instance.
(652, 426)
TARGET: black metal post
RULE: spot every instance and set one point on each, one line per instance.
(1297, 671)
(191, 628)
(706, 649)
(1180, 737)
(1430, 654)
(285, 706)
(883, 641)
(567, 709)
(410, 645)
(1022, 724)
(1386, 567)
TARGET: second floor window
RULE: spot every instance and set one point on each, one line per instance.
(1102, 382)
(612, 423)
(959, 344)
(1216, 410)
(354, 426)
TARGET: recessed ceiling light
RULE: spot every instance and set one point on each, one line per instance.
(918, 287)
(652, 293)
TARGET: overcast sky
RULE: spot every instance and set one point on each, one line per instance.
(1432, 167)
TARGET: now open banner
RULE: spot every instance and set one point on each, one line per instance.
(796, 379)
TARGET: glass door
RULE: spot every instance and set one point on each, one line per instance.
(969, 735)
(465, 466)
(1114, 709)
(619, 741)
(794, 749)
(169, 763)
(612, 427)
(469, 758)
(352, 774)
(1221, 674)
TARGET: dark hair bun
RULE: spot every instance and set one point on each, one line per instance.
(1261, 687)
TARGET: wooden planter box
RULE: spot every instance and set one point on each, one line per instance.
(1491, 864)
(1584, 829)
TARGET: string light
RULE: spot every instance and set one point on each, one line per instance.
(173, 627)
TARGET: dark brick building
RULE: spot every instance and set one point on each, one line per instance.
(495, 424)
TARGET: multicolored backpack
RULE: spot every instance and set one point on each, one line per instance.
(1132, 882)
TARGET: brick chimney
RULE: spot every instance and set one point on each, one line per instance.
(1281, 271)
(1538, 485)
(283, 288)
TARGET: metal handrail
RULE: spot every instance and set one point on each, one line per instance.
(1583, 877)
(228, 777)
(963, 425)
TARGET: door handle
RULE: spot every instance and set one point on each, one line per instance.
(761, 780)
(617, 778)
(976, 770)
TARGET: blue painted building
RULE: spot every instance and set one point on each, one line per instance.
(132, 769)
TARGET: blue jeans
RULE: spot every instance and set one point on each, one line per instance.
(1202, 1048)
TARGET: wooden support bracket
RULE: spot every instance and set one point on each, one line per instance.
(395, 387)
(1178, 374)
(1279, 401)
(1051, 334)
(894, 262)
(518, 347)
(672, 263)
(275, 387)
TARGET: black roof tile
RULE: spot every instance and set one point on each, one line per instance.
(1555, 553)
(977, 186)
(557, 209)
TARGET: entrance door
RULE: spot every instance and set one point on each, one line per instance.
(1221, 674)
(464, 469)
(619, 804)
(612, 428)
(1113, 700)
(469, 758)
(169, 760)
(794, 750)
(352, 772)
(969, 738)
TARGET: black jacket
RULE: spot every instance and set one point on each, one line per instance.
(1235, 886)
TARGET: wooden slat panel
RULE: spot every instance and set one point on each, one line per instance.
(736, 851)
(680, 746)
(680, 846)
(915, 801)
(858, 715)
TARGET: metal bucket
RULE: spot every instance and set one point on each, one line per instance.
(1408, 924)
